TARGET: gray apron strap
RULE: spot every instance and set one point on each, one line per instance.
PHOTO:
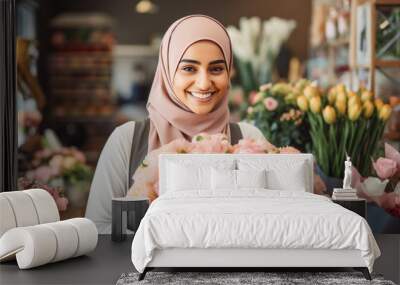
(138, 153)
(139, 146)
(236, 133)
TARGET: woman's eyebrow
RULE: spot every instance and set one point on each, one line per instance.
(198, 62)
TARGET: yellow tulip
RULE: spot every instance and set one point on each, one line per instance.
(302, 102)
(332, 96)
(341, 88)
(366, 96)
(354, 112)
(311, 91)
(378, 104)
(329, 115)
(354, 100)
(315, 104)
(385, 112)
(341, 107)
(301, 84)
(351, 94)
(341, 96)
(368, 109)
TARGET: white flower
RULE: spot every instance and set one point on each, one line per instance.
(373, 186)
(259, 43)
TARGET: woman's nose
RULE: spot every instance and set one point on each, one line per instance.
(203, 81)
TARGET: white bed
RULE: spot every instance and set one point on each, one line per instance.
(249, 227)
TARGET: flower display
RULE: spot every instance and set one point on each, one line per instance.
(66, 163)
(342, 121)
(384, 189)
(146, 176)
(275, 111)
(58, 171)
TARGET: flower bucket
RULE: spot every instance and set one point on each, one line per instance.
(77, 194)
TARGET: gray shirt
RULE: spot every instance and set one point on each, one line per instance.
(111, 178)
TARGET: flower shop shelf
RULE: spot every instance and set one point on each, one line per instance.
(386, 2)
(372, 61)
(387, 63)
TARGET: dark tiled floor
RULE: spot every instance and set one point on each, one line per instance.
(104, 266)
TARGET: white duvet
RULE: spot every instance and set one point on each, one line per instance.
(253, 218)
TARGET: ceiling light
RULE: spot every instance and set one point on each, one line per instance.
(146, 7)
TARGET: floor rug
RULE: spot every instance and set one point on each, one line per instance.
(242, 278)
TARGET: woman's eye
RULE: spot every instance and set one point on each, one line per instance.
(217, 69)
(188, 68)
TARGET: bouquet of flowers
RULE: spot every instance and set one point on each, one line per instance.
(342, 121)
(256, 46)
(68, 164)
(146, 176)
(274, 111)
(384, 189)
(62, 168)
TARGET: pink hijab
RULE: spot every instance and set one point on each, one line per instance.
(169, 118)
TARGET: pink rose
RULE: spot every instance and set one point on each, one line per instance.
(385, 167)
(250, 146)
(62, 203)
(44, 153)
(56, 164)
(393, 154)
(254, 97)
(270, 103)
(265, 87)
(79, 155)
(204, 143)
(43, 173)
(390, 202)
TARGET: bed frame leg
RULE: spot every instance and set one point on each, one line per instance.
(143, 274)
(364, 271)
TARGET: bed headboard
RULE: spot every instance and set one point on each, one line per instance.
(284, 160)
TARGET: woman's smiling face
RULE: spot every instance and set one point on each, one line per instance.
(201, 80)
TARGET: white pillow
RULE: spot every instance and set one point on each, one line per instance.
(223, 179)
(282, 174)
(184, 175)
(251, 178)
(236, 179)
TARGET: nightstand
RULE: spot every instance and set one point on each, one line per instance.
(358, 206)
(135, 209)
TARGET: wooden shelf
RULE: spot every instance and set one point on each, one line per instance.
(387, 2)
(380, 63)
(387, 63)
(337, 43)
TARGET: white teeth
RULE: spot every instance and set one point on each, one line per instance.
(201, 95)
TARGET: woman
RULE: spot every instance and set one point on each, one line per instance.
(188, 96)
